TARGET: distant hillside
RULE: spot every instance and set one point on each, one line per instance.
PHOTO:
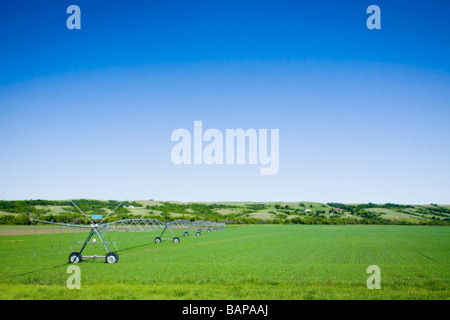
(15, 212)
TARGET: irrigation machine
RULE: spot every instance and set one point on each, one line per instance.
(98, 228)
(177, 227)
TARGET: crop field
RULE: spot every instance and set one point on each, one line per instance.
(242, 262)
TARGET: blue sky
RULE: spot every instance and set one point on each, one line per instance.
(363, 114)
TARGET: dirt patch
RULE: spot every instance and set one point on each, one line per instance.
(24, 230)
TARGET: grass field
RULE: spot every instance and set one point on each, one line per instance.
(245, 262)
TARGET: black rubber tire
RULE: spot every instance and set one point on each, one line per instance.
(176, 240)
(157, 240)
(198, 234)
(186, 234)
(112, 257)
(209, 230)
(75, 257)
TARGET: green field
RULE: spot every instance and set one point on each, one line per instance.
(245, 262)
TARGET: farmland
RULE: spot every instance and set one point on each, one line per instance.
(240, 262)
(15, 212)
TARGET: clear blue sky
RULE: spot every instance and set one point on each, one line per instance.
(363, 114)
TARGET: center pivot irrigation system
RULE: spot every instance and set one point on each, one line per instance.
(98, 227)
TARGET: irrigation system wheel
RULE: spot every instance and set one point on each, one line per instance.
(209, 230)
(176, 240)
(75, 257)
(157, 240)
(198, 233)
(186, 234)
(112, 257)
